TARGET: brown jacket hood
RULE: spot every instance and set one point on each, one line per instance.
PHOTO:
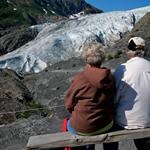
(98, 77)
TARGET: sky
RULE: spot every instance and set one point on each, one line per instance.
(115, 5)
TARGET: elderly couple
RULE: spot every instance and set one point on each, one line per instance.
(100, 102)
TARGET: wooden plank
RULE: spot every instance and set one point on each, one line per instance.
(58, 140)
(61, 140)
(127, 135)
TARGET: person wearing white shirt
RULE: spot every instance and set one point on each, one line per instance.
(133, 92)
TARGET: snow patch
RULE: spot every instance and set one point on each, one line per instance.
(74, 16)
(52, 12)
(45, 11)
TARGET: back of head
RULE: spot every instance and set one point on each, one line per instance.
(93, 54)
(136, 46)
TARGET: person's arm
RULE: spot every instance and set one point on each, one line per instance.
(118, 75)
(70, 98)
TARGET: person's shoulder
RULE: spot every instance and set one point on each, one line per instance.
(79, 75)
(121, 66)
(145, 60)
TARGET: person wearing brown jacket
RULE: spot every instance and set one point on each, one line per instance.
(89, 99)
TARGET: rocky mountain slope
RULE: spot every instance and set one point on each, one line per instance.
(141, 29)
(29, 12)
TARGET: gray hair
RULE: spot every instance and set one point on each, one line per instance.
(93, 54)
(139, 53)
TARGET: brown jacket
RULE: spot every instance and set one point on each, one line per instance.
(90, 99)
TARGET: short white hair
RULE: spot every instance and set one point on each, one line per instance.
(93, 54)
(138, 53)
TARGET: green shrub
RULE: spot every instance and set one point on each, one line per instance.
(109, 56)
(148, 38)
(25, 114)
(9, 17)
(3, 4)
(118, 54)
(33, 108)
(33, 104)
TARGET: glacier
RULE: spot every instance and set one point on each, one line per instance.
(62, 40)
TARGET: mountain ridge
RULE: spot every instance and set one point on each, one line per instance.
(31, 12)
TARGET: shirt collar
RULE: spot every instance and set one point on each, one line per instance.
(133, 59)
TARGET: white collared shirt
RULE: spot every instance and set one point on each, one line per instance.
(133, 94)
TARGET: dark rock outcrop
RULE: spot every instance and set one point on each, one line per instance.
(142, 29)
(15, 38)
(13, 96)
(12, 87)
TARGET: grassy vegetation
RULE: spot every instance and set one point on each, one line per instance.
(3, 4)
(29, 109)
(9, 17)
(33, 108)
(114, 55)
(147, 38)
(117, 54)
(109, 56)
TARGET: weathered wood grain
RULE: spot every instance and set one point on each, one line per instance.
(58, 140)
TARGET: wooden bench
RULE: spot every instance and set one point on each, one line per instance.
(58, 140)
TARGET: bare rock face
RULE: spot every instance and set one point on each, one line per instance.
(15, 136)
(14, 38)
(140, 29)
(48, 88)
(16, 126)
(13, 96)
(12, 87)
